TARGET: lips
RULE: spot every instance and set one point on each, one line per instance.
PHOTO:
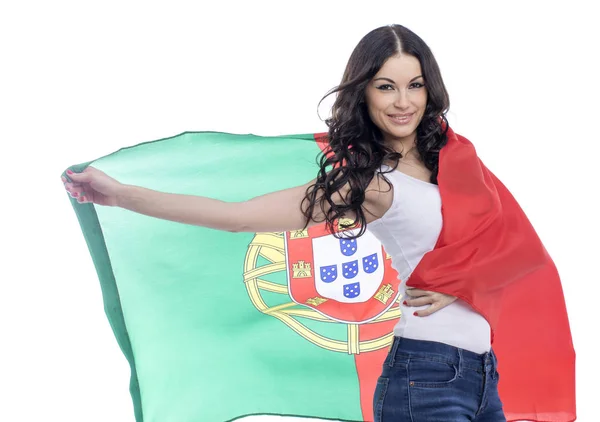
(401, 118)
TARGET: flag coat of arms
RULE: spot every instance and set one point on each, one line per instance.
(218, 325)
(348, 280)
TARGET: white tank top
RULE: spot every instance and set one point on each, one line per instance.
(407, 231)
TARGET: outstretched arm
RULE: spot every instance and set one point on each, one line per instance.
(273, 212)
(276, 211)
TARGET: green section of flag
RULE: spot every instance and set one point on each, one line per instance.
(200, 350)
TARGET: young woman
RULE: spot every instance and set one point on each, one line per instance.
(386, 132)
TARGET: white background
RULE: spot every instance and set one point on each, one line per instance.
(81, 79)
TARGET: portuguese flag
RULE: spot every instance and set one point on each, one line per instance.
(219, 325)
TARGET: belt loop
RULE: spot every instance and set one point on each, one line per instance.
(395, 344)
(460, 363)
(488, 364)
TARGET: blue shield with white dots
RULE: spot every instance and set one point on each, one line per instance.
(348, 246)
(328, 273)
(350, 269)
(370, 263)
(352, 290)
(353, 280)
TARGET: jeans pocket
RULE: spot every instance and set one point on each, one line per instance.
(378, 398)
(431, 374)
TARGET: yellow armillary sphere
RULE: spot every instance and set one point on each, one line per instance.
(271, 265)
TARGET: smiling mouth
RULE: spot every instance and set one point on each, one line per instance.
(401, 118)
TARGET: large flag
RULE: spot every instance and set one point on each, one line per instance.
(218, 325)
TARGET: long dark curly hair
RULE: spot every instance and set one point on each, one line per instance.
(356, 147)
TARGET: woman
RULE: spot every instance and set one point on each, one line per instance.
(386, 132)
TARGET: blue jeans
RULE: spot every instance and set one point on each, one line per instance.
(426, 381)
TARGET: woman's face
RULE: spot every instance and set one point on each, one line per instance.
(396, 98)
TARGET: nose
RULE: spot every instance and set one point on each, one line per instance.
(401, 100)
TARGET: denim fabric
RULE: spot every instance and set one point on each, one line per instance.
(426, 381)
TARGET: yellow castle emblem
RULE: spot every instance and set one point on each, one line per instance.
(301, 269)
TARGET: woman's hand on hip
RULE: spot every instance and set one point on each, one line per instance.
(418, 297)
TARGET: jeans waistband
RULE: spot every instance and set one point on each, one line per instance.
(483, 363)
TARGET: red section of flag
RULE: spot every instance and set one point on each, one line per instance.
(321, 140)
(368, 365)
(489, 255)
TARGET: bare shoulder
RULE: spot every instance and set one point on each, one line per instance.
(378, 197)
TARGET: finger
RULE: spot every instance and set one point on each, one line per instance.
(75, 192)
(417, 292)
(435, 306)
(73, 187)
(420, 301)
(79, 177)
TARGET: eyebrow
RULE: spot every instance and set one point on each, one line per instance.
(390, 80)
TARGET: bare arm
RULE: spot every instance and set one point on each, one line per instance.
(276, 211)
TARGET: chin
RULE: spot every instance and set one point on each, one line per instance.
(399, 134)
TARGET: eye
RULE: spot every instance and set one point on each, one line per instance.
(416, 85)
(385, 87)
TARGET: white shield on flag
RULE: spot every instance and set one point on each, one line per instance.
(348, 270)
(348, 280)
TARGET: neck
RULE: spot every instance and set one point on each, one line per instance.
(408, 150)
(405, 146)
